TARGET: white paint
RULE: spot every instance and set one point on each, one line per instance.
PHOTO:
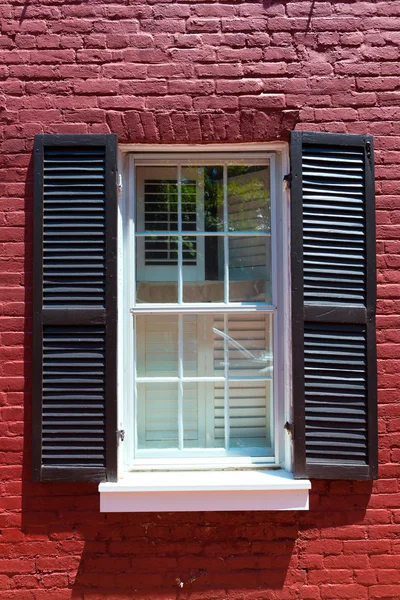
(121, 221)
(181, 463)
(208, 307)
(285, 283)
(173, 148)
(205, 491)
(204, 501)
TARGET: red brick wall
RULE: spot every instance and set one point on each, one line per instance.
(194, 71)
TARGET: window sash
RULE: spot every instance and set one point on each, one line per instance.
(209, 307)
(226, 234)
(212, 349)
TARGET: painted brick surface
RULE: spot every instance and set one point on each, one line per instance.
(181, 71)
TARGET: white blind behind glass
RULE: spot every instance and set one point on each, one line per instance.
(215, 349)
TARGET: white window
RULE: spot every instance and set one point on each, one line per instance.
(204, 271)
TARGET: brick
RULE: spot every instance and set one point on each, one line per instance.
(388, 592)
(199, 72)
(177, 102)
(242, 86)
(203, 25)
(96, 86)
(384, 562)
(262, 102)
(343, 591)
(15, 565)
(124, 71)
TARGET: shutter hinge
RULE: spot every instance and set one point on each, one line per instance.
(289, 428)
(119, 185)
(287, 181)
(121, 434)
(368, 149)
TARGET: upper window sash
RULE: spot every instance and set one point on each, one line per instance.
(183, 161)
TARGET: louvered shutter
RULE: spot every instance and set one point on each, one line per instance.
(75, 310)
(333, 306)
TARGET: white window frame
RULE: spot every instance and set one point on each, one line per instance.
(279, 166)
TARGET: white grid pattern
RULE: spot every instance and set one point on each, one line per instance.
(224, 307)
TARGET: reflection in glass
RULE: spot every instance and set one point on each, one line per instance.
(205, 283)
(157, 198)
(249, 339)
(190, 189)
(249, 202)
(157, 408)
(160, 204)
(157, 269)
(243, 344)
(249, 269)
(213, 198)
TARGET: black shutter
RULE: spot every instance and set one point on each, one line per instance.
(75, 308)
(333, 306)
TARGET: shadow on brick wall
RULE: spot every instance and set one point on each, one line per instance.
(187, 555)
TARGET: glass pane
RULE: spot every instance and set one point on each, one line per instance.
(190, 345)
(199, 346)
(160, 251)
(219, 416)
(203, 415)
(157, 269)
(203, 271)
(193, 431)
(250, 416)
(249, 204)
(191, 198)
(157, 408)
(220, 341)
(156, 193)
(246, 344)
(250, 345)
(213, 178)
(157, 345)
(202, 198)
(190, 253)
(250, 269)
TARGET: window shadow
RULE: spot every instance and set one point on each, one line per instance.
(176, 555)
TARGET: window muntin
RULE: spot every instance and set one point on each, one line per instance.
(203, 224)
(204, 382)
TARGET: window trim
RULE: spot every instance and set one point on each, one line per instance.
(205, 491)
(282, 377)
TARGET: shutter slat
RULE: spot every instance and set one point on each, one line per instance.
(320, 379)
(344, 274)
(87, 225)
(74, 370)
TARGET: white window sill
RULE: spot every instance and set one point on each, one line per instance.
(205, 491)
